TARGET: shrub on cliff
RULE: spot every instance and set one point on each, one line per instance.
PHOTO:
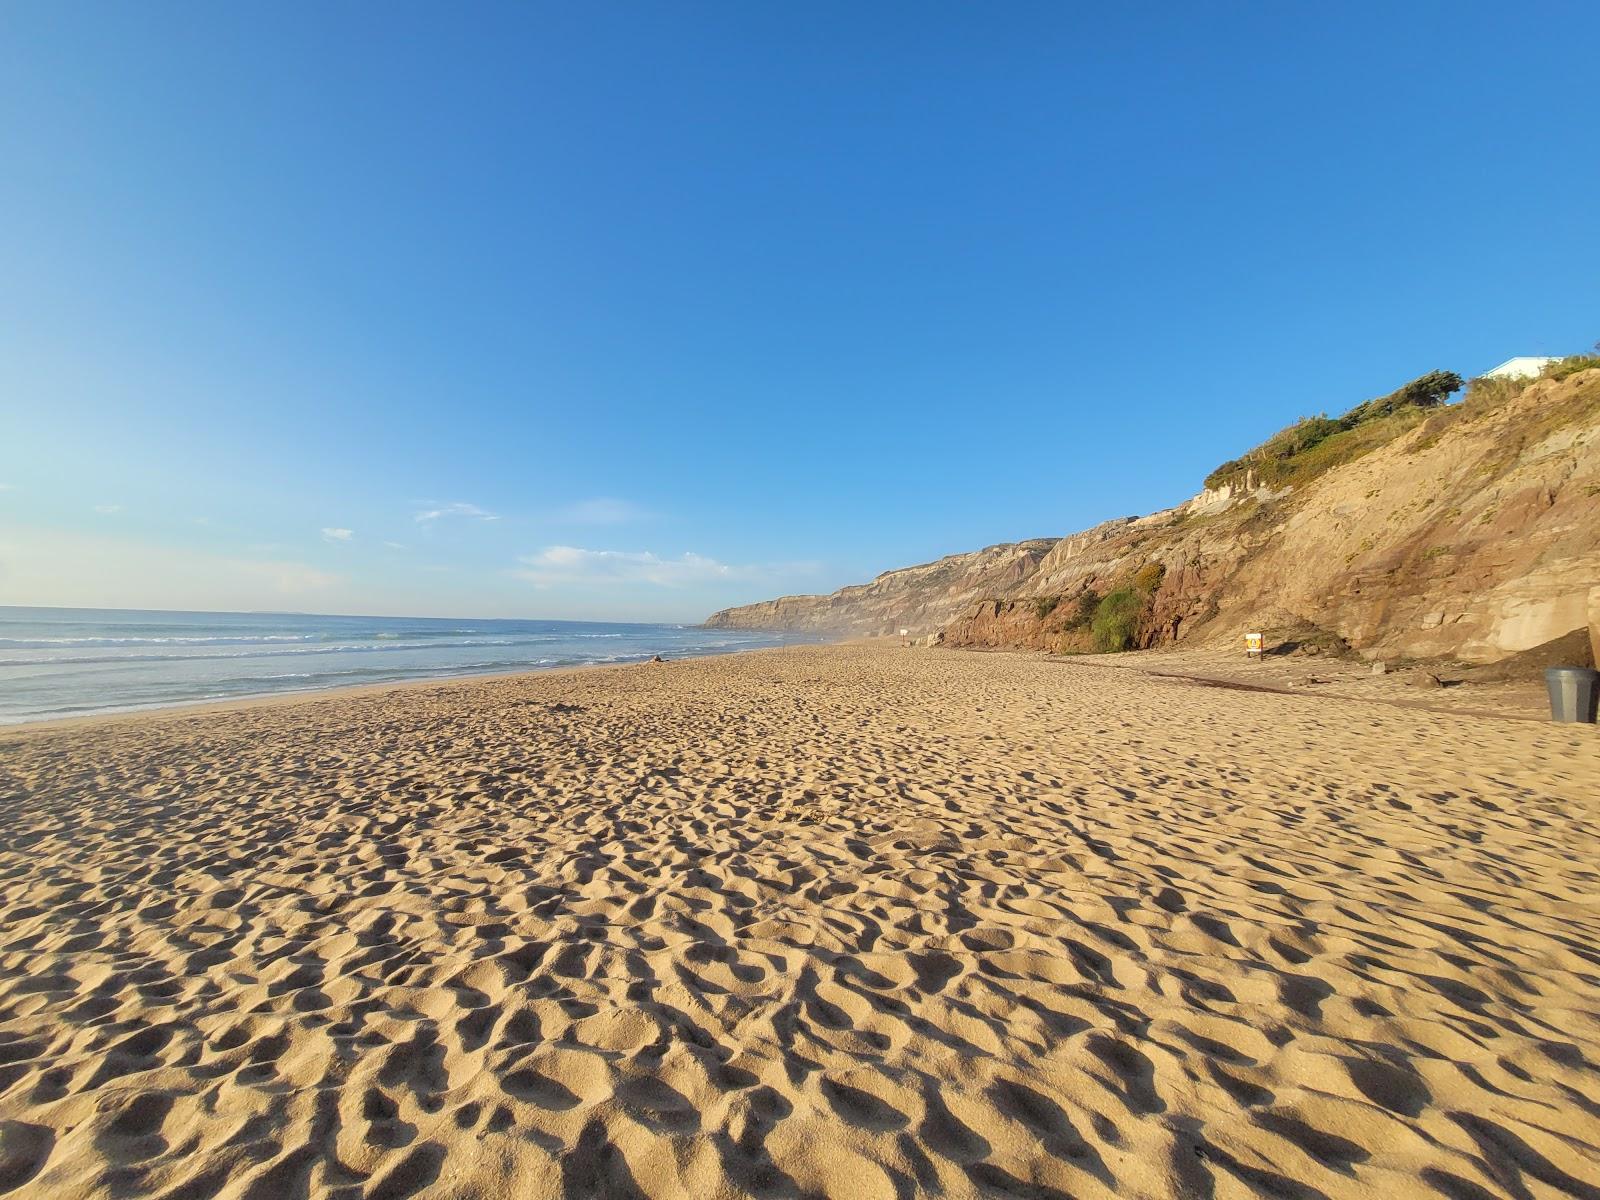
(1485, 393)
(1428, 391)
(1121, 611)
(1149, 577)
(1571, 365)
(1116, 618)
(1083, 609)
(1313, 445)
(1279, 448)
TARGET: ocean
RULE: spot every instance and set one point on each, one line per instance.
(67, 662)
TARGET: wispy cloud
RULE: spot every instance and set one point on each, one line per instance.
(557, 565)
(395, 545)
(338, 535)
(8, 487)
(602, 510)
(456, 508)
(107, 510)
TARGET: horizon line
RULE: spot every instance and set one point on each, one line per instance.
(285, 612)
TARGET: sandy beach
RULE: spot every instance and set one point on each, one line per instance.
(853, 922)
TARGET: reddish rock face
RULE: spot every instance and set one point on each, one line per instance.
(1474, 535)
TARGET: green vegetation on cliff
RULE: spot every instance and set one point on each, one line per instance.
(1313, 445)
(1122, 611)
(1116, 619)
(1562, 368)
(1484, 394)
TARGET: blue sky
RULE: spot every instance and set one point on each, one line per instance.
(637, 310)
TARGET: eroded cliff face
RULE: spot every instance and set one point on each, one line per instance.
(1479, 540)
(1474, 535)
(921, 598)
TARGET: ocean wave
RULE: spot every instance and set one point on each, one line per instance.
(76, 667)
(299, 651)
(45, 643)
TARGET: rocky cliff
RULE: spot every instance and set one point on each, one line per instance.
(1472, 531)
(920, 598)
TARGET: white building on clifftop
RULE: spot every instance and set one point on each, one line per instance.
(1519, 368)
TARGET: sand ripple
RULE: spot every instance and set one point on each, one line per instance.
(817, 922)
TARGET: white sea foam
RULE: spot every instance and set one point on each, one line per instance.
(61, 662)
(45, 642)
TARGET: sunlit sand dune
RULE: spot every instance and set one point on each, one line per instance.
(845, 922)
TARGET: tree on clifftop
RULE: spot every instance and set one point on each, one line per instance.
(1428, 391)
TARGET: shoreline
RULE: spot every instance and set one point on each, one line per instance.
(1201, 666)
(184, 708)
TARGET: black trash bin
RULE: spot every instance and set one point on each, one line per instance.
(1573, 691)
